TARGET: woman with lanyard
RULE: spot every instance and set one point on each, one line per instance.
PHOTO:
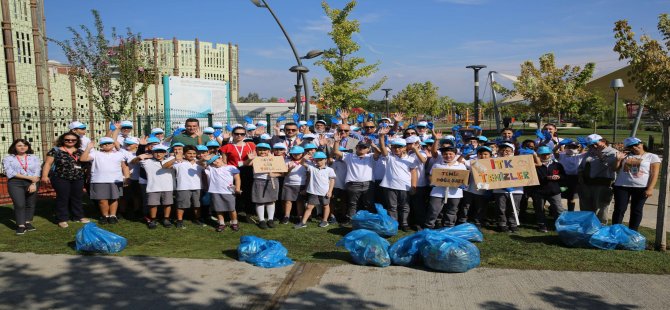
(236, 153)
(23, 172)
(67, 178)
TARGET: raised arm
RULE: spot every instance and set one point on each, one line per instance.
(382, 140)
(86, 156)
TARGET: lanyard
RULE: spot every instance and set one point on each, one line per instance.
(24, 167)
(240, 151)
(75, 157)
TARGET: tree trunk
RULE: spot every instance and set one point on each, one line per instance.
(660, 242)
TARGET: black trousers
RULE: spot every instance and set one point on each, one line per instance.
(634, 195)
(68, 198)
(24, 202)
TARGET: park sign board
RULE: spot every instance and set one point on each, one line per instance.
(269, 164)
(449, 177)
(504, 172)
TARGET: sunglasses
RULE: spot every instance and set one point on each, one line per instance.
(106, 144)
(291, 130)
(369, 127)
(70, 140)
(239, 133)
(342, 130)
(397, 146)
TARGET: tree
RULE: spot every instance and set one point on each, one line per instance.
(344, 87)
(421, 99)
(250, 98)
(111, 72)
(550, 89)
(650, 71)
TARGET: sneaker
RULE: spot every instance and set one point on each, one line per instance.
(152, 224)
(112, 219)
(346, 223)
(220, 228)
(166, 223)
(235, 227)
(542, 228)
(30, 227)
(405, 228)
(263, 225)
(198, 223)
(299, 225)
(503, 229)
(323, 224)
(63, 224)
(513, 229)
(84, 220)
(332, 219)
(20, 230)
(284, 220)
(103, 220)
(180, 224)
(271, 223)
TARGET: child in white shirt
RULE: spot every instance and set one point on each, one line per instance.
(189, 182)
(224, 183)
(160, 184)
(319, 188)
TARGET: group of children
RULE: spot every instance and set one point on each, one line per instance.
(327, 175)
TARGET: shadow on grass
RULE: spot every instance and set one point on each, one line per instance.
(336, 255)
(7, 216)
(341, 231)
(544, 239)
(230, 254)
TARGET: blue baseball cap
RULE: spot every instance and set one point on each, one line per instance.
(399, 142)
(482, 139)
(484, 149)
(310, 146)
(178, 144)
(201, 148)
(212, 143)
(153, 140)
(126, 124)
(630, 141)
(320, 155)
(217, 125)
(157, 131)
(214, 158)
(208, 130)
(266, 136)
(105, 140)
(296, 150)
(543, 150)
(131, 140)
(159, 148)
(279, 145)
(263, 146)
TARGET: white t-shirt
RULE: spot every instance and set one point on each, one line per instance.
(319, 180)
(634, 171)
(221, 180)
(571, 162)
(134, 168)
(297, 175)
(340, 168)
(359, 169)
(422, 177)
(398, 172)
(106, 166)
(84, 142)
(379, 170)
(188, 175)
(159, 179)
(439, 191)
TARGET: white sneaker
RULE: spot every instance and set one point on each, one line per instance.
(63, 225)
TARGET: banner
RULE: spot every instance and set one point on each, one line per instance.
(449, 177)
(504, 172)
(269, 164)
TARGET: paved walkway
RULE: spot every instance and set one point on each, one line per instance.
(32, 281)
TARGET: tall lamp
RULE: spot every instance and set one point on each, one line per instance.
(476, 68)
(616, 85)
(386, 99)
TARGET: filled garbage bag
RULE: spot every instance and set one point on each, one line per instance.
(366, 248)
(92, 238)
(447, 253)
(406, 251)
(618, 236)
(379, 222)
(465, 231)
(263, 253)
(576, 228)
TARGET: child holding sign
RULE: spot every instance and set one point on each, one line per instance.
(550, 174)
(265, 189)
(441, 197)
(507, 200)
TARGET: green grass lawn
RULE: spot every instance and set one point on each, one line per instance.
(527, 249)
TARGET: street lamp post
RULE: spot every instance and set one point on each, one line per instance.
(616, 85)
(386, 99)
(476, 68)
(311, 54)
(300, 73)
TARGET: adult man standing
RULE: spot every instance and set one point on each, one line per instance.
(597, 172)
(291, 136)
(192, 134)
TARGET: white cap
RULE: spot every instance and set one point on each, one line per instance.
(422, 124)
(157, 130)
(594, 138)
(262, 124)
(126, 124)
(266, 136)
(322, 122)
(385, 119)
(76, 125)
(250, 127)
(302, 123)
(450, 137)
(208, 130)
(105, 140)
(399, 142)
(237, 125)
(412, 139)
(131, 140)
(507, 144)
(217, 125)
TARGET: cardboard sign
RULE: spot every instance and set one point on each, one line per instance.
(351, 143)
(449, 177)
(504, 172)
(269, 164)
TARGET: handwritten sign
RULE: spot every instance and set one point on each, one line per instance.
(269, 164)
(351, 143)
(449, 177)
(504, 172)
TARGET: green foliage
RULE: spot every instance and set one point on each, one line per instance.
(649, 63)
(419, 99)
(550, 89)
(344, 87)
(111, 71)
(251, 97)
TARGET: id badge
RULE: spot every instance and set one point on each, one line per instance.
(240, 163)
(77, 167)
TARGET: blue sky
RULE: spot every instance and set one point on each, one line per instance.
(414, 41)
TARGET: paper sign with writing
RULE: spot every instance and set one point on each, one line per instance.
(504, 172)
(269, 164)
(351, 143)
(449, 177)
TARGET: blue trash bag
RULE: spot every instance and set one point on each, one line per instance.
(366, 248)
(406, 251)
(447, 253)
(576, 228)
(618, 236)
(92, 238)
(262, 253)
(381, 222)
(465, 231)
